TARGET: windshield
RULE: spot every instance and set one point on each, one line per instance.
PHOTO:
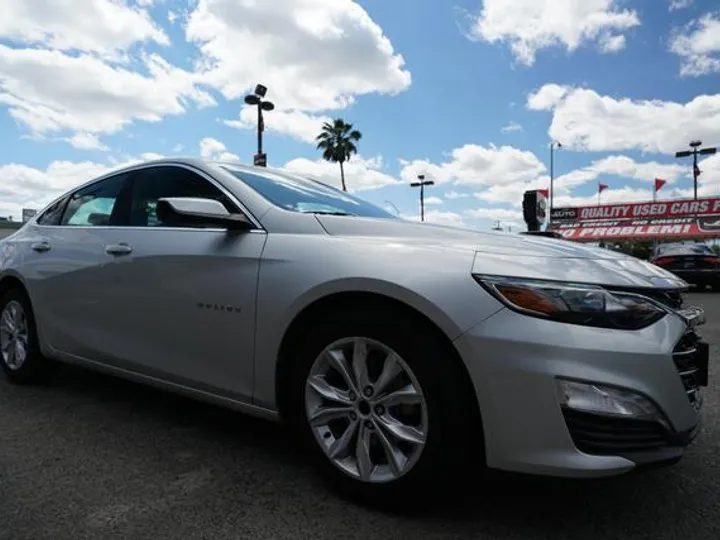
(306, 196)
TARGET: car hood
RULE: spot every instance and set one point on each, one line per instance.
(514, 254)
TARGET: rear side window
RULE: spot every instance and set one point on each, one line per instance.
(53, 214)
(96, 204)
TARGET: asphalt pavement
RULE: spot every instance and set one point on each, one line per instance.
(89, 456)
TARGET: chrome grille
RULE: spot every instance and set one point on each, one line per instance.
(685, 357)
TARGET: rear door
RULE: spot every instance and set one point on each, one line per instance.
(69, 269)
(183, 304)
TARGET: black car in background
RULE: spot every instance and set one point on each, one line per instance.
(695, 263)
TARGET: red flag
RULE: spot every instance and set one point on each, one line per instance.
(544, 192)
(659, 183)
(602, 187)
(698, 172)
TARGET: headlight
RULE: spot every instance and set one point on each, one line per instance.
(572, 303)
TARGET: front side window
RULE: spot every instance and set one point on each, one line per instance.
(95, 205)
(168, 181)
(306, 196)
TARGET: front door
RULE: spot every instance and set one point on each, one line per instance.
(184, 298)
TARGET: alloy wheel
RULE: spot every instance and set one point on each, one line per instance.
(14, 335)
(366, 409)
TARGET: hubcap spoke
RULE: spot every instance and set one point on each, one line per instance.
(391, 370)
(326, 390)
(360, 363)
(362, 453)
(323, 415)
(396, 459)
(341, 446)
(338, 361)
(401, 431)
(7, 321)
(404, 396)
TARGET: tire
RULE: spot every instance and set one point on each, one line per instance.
(23, 363)
(450, 428)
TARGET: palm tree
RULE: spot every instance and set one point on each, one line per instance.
(337, 141)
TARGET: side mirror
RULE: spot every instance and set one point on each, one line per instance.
(199, 212)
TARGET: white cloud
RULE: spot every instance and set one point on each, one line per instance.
(314, 55)
(297, 124)
(86, 141)
(698, 44)
(28, 187)
(679, 4)
(213, 149)
(478, 165)
(502, 214)
(512, 127)
(451, 195)
(50, 91)
(585, 120)
(360, 174)
(621, 166)
(439, 217)
(531, 25)
(612, 44)
(104, 27)
(433, 200)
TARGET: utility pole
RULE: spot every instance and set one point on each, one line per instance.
(694, 153)
(421, 184)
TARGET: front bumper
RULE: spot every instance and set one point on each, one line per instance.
(514, 361)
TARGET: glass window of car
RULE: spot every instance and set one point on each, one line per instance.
(169, 181)
(53, 214)
(95, 205)
(684, 249)
(306, 196)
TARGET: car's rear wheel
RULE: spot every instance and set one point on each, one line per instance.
(20, 355)
(383, 406)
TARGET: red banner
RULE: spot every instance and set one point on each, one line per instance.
(688, 227)
(648, 210)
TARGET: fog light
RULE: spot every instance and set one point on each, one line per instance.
(600, 399)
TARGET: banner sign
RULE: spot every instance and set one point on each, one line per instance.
(674, 220)
(633, 229)
(664, 209)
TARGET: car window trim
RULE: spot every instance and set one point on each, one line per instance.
(258, 226)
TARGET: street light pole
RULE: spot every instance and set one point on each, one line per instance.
(553, 144)
(421, 184)
(694, 153)
(256, 99)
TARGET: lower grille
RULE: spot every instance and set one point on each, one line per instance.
(685, 357)
(605, 435)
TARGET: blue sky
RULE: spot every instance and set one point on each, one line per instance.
(468, 92)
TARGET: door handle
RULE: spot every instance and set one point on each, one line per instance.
(40, 247)
(118, 249)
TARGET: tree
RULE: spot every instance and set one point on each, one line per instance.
(337, 141)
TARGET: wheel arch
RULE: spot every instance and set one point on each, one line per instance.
(360, 300)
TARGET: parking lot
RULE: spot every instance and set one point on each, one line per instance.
(93, 457)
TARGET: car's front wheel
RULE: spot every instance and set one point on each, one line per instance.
(384, 407)
(20, 355)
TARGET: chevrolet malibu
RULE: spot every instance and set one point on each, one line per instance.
(396, 352)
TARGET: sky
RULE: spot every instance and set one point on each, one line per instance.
(469, 93)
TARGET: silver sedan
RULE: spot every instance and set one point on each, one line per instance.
(396, 352)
